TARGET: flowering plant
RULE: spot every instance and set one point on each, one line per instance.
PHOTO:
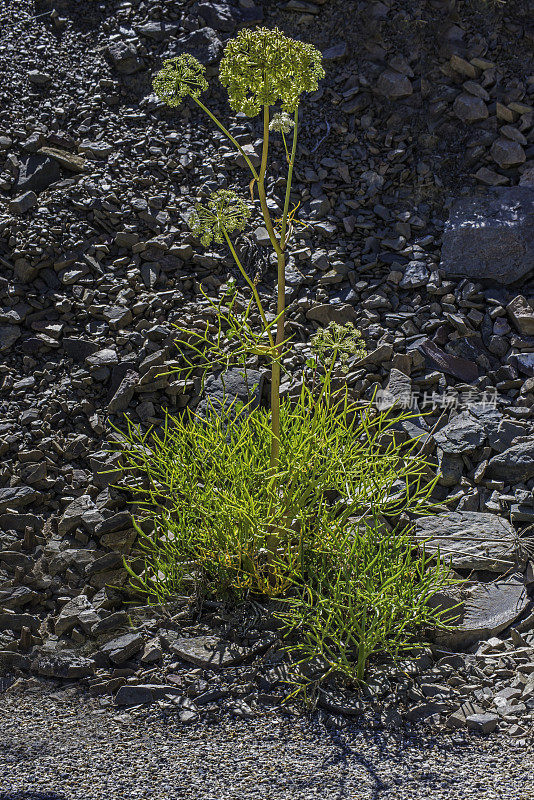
(260, 68)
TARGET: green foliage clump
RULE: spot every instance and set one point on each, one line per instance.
(180, 77)
(225, 213)
(323, 535)
(261, 67)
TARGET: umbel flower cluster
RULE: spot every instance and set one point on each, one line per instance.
(259, 68)
(179, 78)
(225, 212)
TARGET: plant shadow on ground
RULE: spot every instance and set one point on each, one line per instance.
(345, 754)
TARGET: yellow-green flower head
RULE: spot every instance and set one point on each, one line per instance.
(178, 78)
(262, 66)
(281, 122)
(225, 212)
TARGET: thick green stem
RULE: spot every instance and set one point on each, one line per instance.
(276, 365)
(283, 240)
(229, 135)
(252, 286)
(261, 183)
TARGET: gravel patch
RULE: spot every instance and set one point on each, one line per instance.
(64, 746)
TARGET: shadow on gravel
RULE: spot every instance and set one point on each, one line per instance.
(31, 796)
(397, 748)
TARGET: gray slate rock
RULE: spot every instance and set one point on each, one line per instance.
(124, 647)
(220, 16)
(158, 31)
(125, 392)
(226, 388)
(482, 723)
(132, 695)
(463, 434)
(472, 540)
(513, 465)
(125, 57)
(36, 173)
(11, 621)
(23, 203)
(416, 274)
(491, 238)
(209, 652)
(8, 336)
(71, 613)
(203, 44)
(485, 610)
(17, 497)
(62, 665)
(73, 513)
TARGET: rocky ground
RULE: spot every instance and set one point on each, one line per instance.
(59, 746)
(416, 181)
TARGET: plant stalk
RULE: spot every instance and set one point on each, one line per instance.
(252, 286)
(228, 135)
(283, 238)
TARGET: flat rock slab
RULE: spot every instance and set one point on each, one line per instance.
(492, 237)
(461, 368)
(463, 434)
(472, 540)
(62, 665)
(484, 610)
(210, 652)
(230, 388)
(514, 464)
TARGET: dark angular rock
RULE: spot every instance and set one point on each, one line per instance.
(230, 387)
(158, 31)
(203, 44)
(460, 368)
(73, 513)
(8, 336)
(23, 203)
(514, 464)
(220, 16)
(482, 723)
(36, 173)
(124, 647)
(125, 57)
(463, 434)
(78, 349)
(11, 621)
(69, 615)
(18, 497)
(491, 238)
(210, 652)
(131, 695)
(62, 665)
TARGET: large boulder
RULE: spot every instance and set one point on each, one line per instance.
(492, 237)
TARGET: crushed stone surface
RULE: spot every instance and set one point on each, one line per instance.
(64, 746)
